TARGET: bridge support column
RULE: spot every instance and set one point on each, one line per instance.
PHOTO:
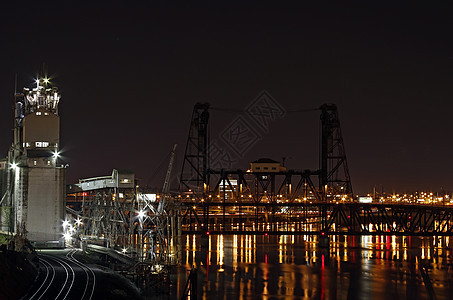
(204, 241)
(324, 241)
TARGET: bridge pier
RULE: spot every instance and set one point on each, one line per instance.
(324, 241)
(205, 241)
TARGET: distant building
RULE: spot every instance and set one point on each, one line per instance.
(34, 193)
(266, 165)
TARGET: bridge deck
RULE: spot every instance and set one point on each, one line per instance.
(316, 218)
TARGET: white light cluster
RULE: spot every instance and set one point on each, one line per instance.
(69, 230)
(42, 96)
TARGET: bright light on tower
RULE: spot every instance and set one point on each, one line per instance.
(56, 154)
(13, 165)
(141, 214)
(65, 223)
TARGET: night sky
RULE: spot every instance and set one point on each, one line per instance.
(130, 74)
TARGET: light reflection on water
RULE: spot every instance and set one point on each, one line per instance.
(294, 267)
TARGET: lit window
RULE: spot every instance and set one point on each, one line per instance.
(41, 144)
(125, 180)
(48, 162)
(38, 113)
(34, 162)
(46, 114)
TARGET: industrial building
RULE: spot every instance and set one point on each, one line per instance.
(32, 176)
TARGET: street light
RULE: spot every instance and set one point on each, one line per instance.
(78, 221)
(65, 223)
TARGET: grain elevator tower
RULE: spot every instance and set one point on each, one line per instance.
(37, 177)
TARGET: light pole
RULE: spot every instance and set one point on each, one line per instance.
(141, 216)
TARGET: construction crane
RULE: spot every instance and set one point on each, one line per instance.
(166, 187)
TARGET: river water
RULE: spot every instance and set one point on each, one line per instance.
(295, 267)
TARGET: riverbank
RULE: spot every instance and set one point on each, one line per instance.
(18, 270)
(140, 280)
(110, 284)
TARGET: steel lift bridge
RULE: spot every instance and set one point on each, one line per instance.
(317, 202)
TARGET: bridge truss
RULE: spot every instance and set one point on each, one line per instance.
(317, 218)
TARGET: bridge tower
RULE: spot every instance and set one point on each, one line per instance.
(36, 175)
(195, 166)
(334, 179)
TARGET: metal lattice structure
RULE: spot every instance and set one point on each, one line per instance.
(256, 187)
(318, 218)
(157, 224)
(391, 219)
(196, 160)
(334, 176)
(110, 211)
(106, 216)
(107, 208)
(334, 181)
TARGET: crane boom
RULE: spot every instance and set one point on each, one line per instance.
(166, 187)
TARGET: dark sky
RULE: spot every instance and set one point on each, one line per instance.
(130, 74)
